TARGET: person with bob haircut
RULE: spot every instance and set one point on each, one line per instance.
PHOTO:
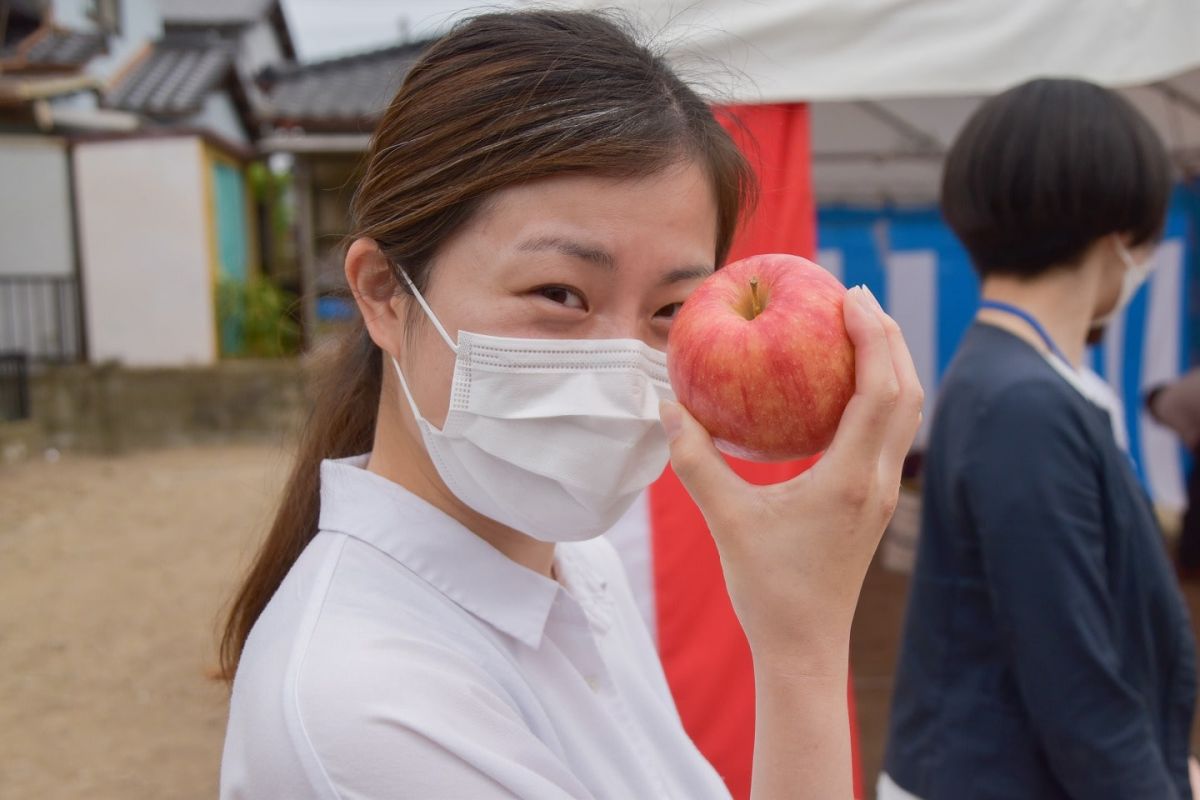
(434, 612)
(1047, 651)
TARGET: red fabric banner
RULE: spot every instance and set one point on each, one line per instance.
(704, 652)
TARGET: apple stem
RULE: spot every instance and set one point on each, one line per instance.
(755, 304)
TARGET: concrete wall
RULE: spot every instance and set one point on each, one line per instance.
(20, 440)
(35, 207)
(110, 409)
(147, 251)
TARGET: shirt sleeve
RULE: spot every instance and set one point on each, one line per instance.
(1033, 488)
(423, 722)
(1178, 407)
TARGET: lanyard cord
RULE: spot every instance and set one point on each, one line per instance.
(1020, 313)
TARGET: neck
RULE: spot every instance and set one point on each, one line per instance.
(399, 455)
(1063, 300)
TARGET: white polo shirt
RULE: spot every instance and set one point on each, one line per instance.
(404, 657)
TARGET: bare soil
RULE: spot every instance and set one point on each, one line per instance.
(112, 575)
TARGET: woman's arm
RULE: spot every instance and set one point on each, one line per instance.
(801, 734)
(795, 555)
(1177, 405)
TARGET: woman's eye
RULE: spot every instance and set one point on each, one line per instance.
(563, 296)
(668, 312)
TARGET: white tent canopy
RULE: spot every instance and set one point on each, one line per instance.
(891, 81)
(793, 50)
(877, 152)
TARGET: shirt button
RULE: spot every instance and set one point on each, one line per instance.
(593, 683)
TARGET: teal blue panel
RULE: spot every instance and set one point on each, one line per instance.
(229, 199)
(229, 214)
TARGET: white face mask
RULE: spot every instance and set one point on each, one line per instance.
(1135, 275)
(554, 438)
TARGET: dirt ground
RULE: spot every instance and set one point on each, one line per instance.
(113, 573)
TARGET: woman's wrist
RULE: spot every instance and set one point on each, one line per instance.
(806, 659)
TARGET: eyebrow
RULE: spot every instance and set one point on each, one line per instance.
(567, 247)
(685, 274)
(604, 259)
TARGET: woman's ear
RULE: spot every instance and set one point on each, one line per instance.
(371, 281)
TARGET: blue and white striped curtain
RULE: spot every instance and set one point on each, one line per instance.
(913, 263)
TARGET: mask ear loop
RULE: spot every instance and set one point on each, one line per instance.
(428, 311)
(1124, 254)
(412, 401)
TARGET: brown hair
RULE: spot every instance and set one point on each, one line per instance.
(502, 99)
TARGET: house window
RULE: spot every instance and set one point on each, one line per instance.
(107, 15)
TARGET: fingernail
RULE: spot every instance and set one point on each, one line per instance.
(672, 420)
(862, 297)
(871, 296)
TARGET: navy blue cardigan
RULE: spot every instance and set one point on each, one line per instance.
(1047, 651)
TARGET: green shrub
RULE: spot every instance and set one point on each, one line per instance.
(255, 319)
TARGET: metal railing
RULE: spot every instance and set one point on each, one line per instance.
(40, 317)
(14, 387)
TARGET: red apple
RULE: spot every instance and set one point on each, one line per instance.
(760, 357)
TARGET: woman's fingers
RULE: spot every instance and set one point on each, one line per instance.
(700, 467)
(907, 418)
(865, 423)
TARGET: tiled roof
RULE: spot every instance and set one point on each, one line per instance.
(173, 78)
(214, 12)
(343, 94)
(54, 48)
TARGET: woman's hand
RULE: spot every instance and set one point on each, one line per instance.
(795, 555)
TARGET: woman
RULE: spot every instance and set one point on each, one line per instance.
(432, 614)
(1047, 651)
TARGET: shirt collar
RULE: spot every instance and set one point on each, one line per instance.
(437, 548)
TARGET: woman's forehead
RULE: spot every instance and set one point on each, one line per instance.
(604, 209)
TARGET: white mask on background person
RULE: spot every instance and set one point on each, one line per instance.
(1135, 275)
(554, 438)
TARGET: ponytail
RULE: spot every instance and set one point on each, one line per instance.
(346, 390)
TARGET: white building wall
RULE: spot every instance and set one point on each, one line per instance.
(38, 317)
(35, 207)
(141, 23)
(146, 251)
(77, 101)
(260, 47)
(72, 14)
(219, 115)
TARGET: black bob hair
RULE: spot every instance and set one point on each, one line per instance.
(1042, 171)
